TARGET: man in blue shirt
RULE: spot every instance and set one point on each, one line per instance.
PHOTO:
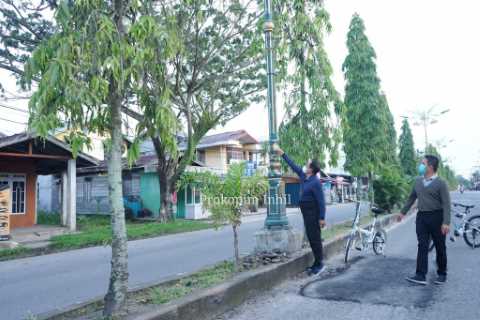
(312, 206)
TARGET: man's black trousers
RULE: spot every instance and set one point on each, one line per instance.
(429, 226)
(312, 228)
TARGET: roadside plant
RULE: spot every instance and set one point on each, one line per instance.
(224, 197)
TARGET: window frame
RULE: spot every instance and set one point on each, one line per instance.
(11, 178)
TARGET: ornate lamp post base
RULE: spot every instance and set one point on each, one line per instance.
(277, 235)
(283, 240)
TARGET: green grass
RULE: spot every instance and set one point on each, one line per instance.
(96, 230)
(6, 254)
(201, 280)
(47, 218)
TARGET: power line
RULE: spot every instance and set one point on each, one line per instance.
(13, 108)
(13, 121)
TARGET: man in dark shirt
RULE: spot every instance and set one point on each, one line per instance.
(433, 218)
(312, 206)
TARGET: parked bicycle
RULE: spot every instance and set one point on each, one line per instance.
(468, 227)
(362, 239)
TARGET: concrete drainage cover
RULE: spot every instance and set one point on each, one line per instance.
(375, 280)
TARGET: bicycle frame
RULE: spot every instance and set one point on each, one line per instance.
(459, 228)
(366, 235)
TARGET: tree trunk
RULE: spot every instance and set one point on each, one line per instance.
(166, 190)
(236, 265)
(117, 290)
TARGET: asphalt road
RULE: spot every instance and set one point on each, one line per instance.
(374, 288)
(45, 283)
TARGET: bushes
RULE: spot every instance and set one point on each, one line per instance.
(390, 188)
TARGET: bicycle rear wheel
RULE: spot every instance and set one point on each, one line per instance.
(471, 234)
(352, 238)
(379, 242)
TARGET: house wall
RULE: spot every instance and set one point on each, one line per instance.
(150, 192)
(216, 157)
(92, 192)
(27, 167)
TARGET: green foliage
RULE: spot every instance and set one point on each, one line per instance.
(390, 188)
(48, 218)
(213, 75)
(200, 280)
(407, 155)
(368, 131)
(23, 26)
(390, 156)
(76, 65)
(20, 251)
(312, 102)
(225, 197)
(444, 169)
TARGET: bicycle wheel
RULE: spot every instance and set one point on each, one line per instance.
(471, 234)
(352, 238)
(379, 242)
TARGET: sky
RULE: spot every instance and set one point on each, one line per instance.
(427, 55)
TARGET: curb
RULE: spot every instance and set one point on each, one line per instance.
(214, 301)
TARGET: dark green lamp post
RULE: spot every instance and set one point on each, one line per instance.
(276, 216)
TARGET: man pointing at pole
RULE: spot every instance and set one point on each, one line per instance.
(312, 206)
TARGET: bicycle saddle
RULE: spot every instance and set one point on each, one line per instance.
(377, 210)
(455, 204)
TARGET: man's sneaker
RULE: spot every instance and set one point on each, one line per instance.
(441, 279)
(317, 270)
(418, 279)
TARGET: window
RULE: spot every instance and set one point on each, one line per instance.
(201, 156)
(189, 191)
(87, 189)
(17, 184)
(234, 154)
(193, 195)
(196, 192)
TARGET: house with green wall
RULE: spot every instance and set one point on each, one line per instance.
(140, 187)
(214, 153)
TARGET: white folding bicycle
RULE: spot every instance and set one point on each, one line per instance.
(362, 239)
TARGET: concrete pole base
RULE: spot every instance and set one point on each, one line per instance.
(284, 240)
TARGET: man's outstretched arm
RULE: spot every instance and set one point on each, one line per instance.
(290, 162)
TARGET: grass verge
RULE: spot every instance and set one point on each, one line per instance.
(95, 231)
(6, 254)
(203, 279)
